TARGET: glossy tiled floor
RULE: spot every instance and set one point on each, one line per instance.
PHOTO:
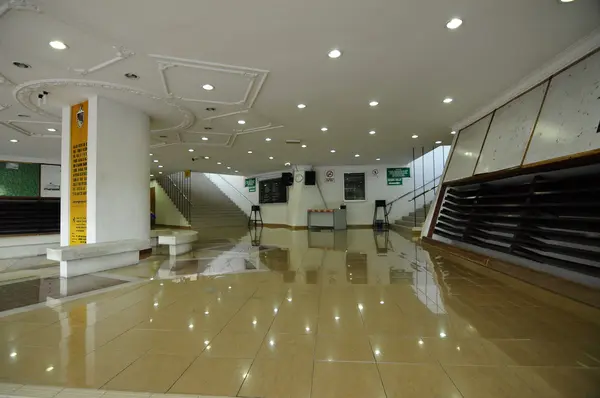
(309, 315)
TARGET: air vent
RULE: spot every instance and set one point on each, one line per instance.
(292, 141)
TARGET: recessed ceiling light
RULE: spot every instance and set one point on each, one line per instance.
(160, 172)
(378, 159)
(373, 103)
(372, 132)
(237, 171)
(21, 65)
(270, 157)
(287, 164)
(241, 122)
(453, 132)
(160, 166)
(190, 150)
(14, 141)
(249, 151)
(155, 160)
(357, 155)
(204, 139)
(438, 142)
(448, 100)
(566, 1)
(301, 106)
(267, 139)
(228, 168)
(207, 157)
(208, 87)
(415, 136)
(52, 130)
(219, 163)
(323, 128)
(58, 45)
(335, 53)
(151, 154)
(454, 23)
(303, 145)
(332, 151)
(131, 76)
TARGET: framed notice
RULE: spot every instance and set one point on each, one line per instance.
(50, 181)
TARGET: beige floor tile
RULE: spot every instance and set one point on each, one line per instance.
(346, 379)
(473, 351)
(80, 393)
(234, 345)
(492, 382)
(213, 376)
(290, 377)
(331, 347)
(565, 382)
(394, 348)
(542, 353)
(341, 323)
(417, 381)
(38, 391)
(13, 330)
(151, 372)
(49, 336)
(300, 324)
(189, 342)
(279, 346)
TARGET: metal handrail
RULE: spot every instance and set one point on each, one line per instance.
(414, 190)
(422, 193)
(179, 190)
(238, 191)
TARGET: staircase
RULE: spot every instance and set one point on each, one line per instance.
(407, 223)
(211, 207)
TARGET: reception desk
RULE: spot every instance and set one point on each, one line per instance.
(330, 218)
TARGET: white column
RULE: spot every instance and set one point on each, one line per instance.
(118, 171)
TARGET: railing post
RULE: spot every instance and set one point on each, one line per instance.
(423, 172)
(414, 185)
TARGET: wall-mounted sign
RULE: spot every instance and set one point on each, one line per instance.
(50, 181)
(78, 165)
(250, 183)
(375, 172)
(330, 176)
(395, 174)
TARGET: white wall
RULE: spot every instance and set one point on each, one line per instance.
(118, 171)
(165, 210)
(233, 187)
(302, 197)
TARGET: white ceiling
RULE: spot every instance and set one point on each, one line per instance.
(266, 56)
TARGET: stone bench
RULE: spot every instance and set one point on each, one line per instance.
(179, 242)
(95, 257)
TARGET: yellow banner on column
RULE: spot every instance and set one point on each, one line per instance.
(78, 195)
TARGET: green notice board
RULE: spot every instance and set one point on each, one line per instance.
(250, 183)
(19, 179)
(395, 175)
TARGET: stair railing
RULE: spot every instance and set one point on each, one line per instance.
(389, 205)
(210, 176)
(178, 188)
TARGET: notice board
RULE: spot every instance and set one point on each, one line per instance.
(272, 191)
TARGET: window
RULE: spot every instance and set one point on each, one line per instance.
(354, 187)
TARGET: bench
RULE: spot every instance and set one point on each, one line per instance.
(95, 257)
(27, 245)
(179, 242)
(155, 233)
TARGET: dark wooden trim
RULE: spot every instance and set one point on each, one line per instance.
(537, 119)
(484, 139)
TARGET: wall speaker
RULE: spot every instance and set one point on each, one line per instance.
(288, 179)
(310, 177)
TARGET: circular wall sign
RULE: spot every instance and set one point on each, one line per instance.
(299, 177)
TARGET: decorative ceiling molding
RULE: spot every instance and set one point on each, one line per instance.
(23, 92)
(12, 125)
(18, 5)
(122, 53)
(5, 81)
(258, 129)
(4, 106)
(256, 78)
(225, 115)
